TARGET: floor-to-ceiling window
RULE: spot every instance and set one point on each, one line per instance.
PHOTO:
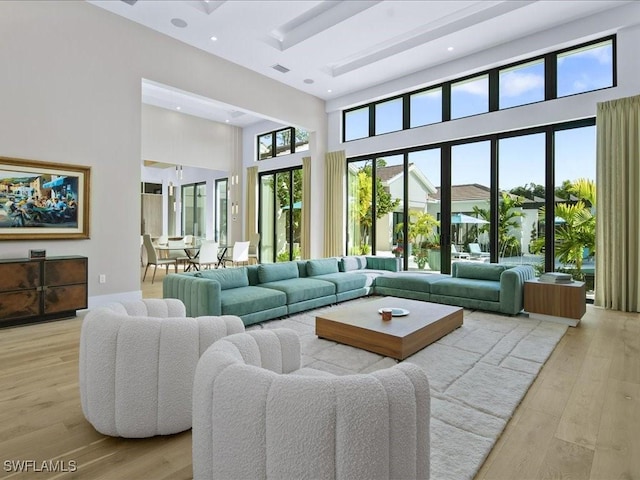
(194, 197)
(575, 202)
(511, 197)
(471, 199)
(280, 215)
(220, 231)
(359, 207)
(522, 194)
(389, 186)
(422, 247)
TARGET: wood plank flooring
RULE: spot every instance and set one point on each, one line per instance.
(579, 420)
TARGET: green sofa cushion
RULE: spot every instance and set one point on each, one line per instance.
(273, 272)
(345, 282)
(243, 301)
(488, 290)
(301, 289)
(323, 266)
(479, 271)
(392, 264)
(349, 264)
(228, 278)
(252, 274)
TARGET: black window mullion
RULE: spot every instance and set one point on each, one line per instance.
(445, 208)
(406, 113)
(494, 195)
(494, 90)
(374, 197)
(405, 213)
(550, 202)
(446, 102)
(372, 120)
(550, 76)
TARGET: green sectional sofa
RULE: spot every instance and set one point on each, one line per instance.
(263, 292)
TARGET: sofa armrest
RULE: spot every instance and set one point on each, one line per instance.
(392, 264)
(512, 288)
(201, 296)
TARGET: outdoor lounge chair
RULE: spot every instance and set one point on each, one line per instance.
(460, 255)
(476, 252)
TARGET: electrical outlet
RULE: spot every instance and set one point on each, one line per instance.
(103, 278)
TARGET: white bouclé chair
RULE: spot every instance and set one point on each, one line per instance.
(256, 415)
(137, 364)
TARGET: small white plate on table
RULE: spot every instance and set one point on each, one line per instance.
(397, 312)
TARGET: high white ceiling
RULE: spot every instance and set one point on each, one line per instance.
(333, 48)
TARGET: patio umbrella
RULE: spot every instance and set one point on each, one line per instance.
(457, 218)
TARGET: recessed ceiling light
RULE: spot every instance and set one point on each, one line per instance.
(329, 91)
(308, 80)
(213, 39)
(450, 49)
(178, 22)
(178, 108)
(227, 121)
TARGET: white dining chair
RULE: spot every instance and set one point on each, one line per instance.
(152, 258)
(207, 256)
(239, 255)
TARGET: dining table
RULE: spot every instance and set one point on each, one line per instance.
(191, 250)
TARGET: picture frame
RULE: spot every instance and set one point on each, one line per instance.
(43, 200)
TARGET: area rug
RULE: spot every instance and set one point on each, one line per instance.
(478, 375)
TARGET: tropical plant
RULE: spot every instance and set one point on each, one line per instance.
(578, 230)
(422, 230)
(508, 215)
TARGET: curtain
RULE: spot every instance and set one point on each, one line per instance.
(252, 202)
(618, 208)
(335, 168)
(306, 208)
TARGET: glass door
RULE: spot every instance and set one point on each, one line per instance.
(280, 215)
(220, 233)
(422, 235)
(194, 198)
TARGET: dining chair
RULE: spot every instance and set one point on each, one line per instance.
(152, 258)
(207, 256)
(177, 251)
(239, 255)
(254, 242)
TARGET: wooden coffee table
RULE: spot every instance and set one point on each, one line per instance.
(362, 326)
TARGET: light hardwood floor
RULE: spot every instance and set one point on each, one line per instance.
(579, 420)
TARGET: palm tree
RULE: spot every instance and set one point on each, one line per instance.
(508, 215)
(578, 230)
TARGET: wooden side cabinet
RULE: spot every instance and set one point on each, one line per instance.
(561, 302)
(39, 290)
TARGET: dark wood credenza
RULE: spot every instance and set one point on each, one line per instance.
(43, 289)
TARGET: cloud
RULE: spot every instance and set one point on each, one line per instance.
(513, 84)
(601, 54)
(474, 87)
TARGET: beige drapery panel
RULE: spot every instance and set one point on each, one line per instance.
(306, 208)
(252, 201)
(335, 168)
(618, 208)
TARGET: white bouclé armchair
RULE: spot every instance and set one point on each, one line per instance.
(137, 364)
(256, 415)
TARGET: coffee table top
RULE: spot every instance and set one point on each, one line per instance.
(365, 315)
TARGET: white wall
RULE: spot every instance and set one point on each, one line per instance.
(71, 93)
